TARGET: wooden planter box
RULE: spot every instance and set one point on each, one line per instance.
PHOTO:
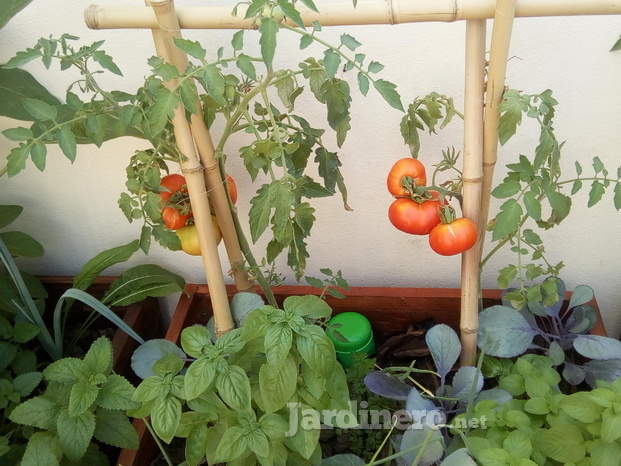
(390, 311)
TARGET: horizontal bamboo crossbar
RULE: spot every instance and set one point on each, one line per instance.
(378, 12)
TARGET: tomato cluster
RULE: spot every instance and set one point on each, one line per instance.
(177, 211)
(421, 211)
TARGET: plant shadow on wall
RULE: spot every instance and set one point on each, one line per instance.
(231, 399)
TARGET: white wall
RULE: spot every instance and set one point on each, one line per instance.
(72, 209)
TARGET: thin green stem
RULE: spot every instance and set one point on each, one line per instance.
(232, 120)
(158, 442)
(377, 452)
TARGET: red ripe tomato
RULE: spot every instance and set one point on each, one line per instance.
(452, 238)
(410, 167)
(174, 219)
(172, 183)
(232, 188)
(413, 217)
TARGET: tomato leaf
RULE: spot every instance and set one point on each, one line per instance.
(506, 189)
(215, 83)
(617, 196)
(261, 210)
(389, 93)
(161, 111)
(560, 204)
(533, 206)
(363, 83)
(39, 109)
(511, 109)
(192, 48)
(245, 65)
(38, 153)
(106, 62)
(507, 220)
(305, 41)
(596, 193)
(268, 31)
(310, 4)
(291, 12)
(66, 141)
(335, 93)
(350, 42)
(331, 61)
(18, 134)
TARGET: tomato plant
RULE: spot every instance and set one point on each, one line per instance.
(409, 171)
(188, 235)
(453, 235)
(415, 217)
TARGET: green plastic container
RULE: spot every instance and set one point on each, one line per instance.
(356, 328)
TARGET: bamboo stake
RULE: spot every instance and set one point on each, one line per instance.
(213, 178)
(343, 14)
(193, 171)
(499, 54)
(472, 175)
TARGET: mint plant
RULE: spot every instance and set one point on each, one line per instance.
(239, 400)
(83, 400)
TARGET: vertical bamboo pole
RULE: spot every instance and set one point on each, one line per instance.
(472, 175)
(193, 171)
(213, 178)
(499, 54)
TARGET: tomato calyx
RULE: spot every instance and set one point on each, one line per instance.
(447, 213)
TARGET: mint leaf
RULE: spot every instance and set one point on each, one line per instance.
(75, 433)
(114, 428)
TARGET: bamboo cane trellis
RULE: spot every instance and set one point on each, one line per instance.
(480, 106)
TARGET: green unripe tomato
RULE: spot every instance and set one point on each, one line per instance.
(273, 11)
(229, 92)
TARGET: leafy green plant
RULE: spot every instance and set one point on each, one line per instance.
(561, 333)
(239, 400)
(82, 400)
(542, 425)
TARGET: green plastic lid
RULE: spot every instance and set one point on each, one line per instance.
(356, 329)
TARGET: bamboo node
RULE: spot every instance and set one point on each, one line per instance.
(469, 331)
(472, 180)
(192, 170)
(391, 13)
(455, 8)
